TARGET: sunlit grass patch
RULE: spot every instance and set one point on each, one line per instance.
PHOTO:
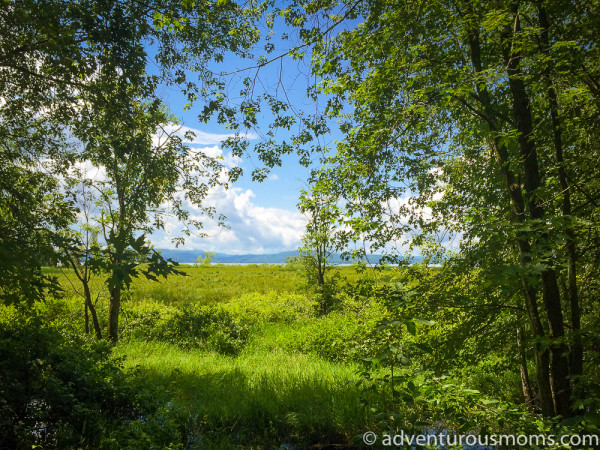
(201, 285)
(272, 307)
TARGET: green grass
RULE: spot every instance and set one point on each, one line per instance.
(260, 398)
(202, 285)
(279, 389)
(270, 394)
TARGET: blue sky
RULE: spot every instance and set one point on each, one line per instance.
(262, 217)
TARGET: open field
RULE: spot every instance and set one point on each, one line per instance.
(202, 285)
(273, 389)
(243, 357)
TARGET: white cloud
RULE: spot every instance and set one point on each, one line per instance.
(89, 171)
(253, 228)
(201, 137)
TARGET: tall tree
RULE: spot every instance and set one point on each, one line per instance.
(60, 54)
(453, 119)
(148, 176)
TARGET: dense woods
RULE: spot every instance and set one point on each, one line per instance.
(465, 132)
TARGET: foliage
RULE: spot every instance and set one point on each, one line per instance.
(469, 131)
(76, 92)
(207, 327)
(263, 398)
(58, 390)
(299, 377)
(272, 307)
(318, 246)
(462, 133)
(206, 260)
(140, 177)
(30, 207)
(200, 286)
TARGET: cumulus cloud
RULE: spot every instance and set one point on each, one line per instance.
(252, 228)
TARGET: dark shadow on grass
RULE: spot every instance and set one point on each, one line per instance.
(234, 411)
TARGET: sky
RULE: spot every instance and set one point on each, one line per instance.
(262, 217)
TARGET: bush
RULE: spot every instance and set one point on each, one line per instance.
(346, 335)
(57, 389)
(142, 319)
(207, 327)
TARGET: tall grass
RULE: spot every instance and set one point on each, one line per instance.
(272, 393)
(261, 397)
(201, 285)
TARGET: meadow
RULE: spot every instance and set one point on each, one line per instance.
(224, 349)
(243, 357)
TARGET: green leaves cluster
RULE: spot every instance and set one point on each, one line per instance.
(463, 138)
(79, 90)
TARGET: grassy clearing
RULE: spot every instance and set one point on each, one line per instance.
(270, 394)
(202, 285)
(257, 366)
(259, 398)
(277, 390)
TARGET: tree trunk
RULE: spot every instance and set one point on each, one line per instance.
(82, 273)
(86, 318)
(513, 186)
(576, 354)
(525, 382)
(559, 372)
(113, 314)
(92, 309)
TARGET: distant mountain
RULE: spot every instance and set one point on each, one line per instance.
(189, 257)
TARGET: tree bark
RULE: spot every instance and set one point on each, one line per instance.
(92, 309)
(576, 354)
(114, 306)
(82, 273)
(86, 317)
(559, 373)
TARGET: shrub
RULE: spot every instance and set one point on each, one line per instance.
(346, 335)
(57, 389)
(206, 327)
(142, 319)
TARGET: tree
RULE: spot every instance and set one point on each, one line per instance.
(477, 119)
(318, 242)
(144, 183)
(206, 260)
(78, 71)
(30, 208)
(451, 99)
(59, 54)
(321, 214)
